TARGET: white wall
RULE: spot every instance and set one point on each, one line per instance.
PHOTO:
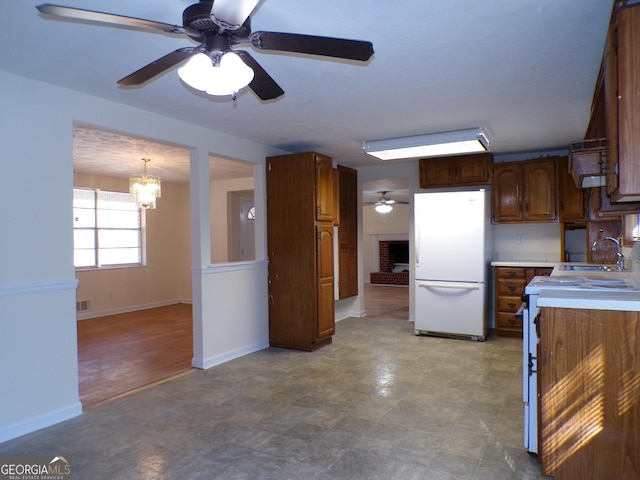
(166, 277)
(38, 345)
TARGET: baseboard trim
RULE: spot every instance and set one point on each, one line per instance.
(42, 421)
(205, 363)
(132, 308)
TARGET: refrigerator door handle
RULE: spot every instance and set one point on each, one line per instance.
(452, 285)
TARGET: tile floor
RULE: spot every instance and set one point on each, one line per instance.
(379, 403)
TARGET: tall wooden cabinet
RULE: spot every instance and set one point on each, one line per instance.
(300, 215)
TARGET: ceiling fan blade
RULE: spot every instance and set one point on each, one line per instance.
(325, 46)
(262, 84)
(109, 19)
(156, 68)
(231, 14)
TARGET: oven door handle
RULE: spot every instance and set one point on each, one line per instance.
(520, 312)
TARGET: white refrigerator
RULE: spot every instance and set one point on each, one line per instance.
(453, 248)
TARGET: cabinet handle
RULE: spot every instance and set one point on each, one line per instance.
(512, 321)
(512, 305)
(511, 288)
(512, 273)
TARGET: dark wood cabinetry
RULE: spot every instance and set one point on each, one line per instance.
(572, 201)
(621, 67)
(524, 191)
(348, 233)
(509, 288)
(588, 391)
(456, 170)
(300, 246)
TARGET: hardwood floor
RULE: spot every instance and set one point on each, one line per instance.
(121, 353)
(383, 301)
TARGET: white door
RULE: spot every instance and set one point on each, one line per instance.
(450, 236)
(455, 308)
(247, 230)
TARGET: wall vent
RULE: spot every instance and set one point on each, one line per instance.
(83, 305)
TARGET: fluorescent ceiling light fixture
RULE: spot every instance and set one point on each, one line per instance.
(225, 77)
(471, 140)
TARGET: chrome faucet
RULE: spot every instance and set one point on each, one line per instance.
(619, 256)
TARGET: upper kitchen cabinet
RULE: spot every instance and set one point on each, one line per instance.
(456, 170)
(300, 247)
(572, 201)
(622, 104)
(524, 191)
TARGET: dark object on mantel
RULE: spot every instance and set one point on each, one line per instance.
(587, 163)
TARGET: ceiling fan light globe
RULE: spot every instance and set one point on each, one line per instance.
(197, 72)
(229, 76)
(383, 208)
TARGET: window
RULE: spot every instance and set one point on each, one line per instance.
(631, 229)
(107, 229)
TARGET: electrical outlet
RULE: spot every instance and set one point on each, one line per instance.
(520, 239)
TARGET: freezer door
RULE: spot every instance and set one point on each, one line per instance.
(451, 236)
(451, 308)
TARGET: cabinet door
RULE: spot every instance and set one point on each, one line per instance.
(348, 233)
(324, 188)
(623, 105)
(540, 191)
(572, 201)
(507, 193)
(472, 169)
(326, 315)
(437, 172)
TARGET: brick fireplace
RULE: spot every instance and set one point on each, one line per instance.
(386, 275)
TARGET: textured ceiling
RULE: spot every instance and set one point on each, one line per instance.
(100, 152)
(523, 70)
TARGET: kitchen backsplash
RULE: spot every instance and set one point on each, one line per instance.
(527, 242)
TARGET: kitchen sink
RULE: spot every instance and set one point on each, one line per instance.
(589, 268)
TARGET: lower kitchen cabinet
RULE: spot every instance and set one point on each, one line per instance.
(589, 394)
(509, 288)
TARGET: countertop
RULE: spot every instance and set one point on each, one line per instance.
(524, 263)
(590, 300)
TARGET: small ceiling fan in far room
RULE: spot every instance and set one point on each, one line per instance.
(384, 204)
(214, 66)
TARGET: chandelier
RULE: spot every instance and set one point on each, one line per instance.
(145, 188)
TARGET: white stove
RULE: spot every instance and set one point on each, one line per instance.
(595, 280)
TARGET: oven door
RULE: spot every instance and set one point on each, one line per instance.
(529, 373)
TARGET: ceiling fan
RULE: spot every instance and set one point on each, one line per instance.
(218, 26)
(385, 204)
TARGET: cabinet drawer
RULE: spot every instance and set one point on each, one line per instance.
(507, 323)
(508, 304)
(510, 287)
(508, 272)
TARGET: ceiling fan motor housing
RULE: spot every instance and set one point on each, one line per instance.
(197, 17)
